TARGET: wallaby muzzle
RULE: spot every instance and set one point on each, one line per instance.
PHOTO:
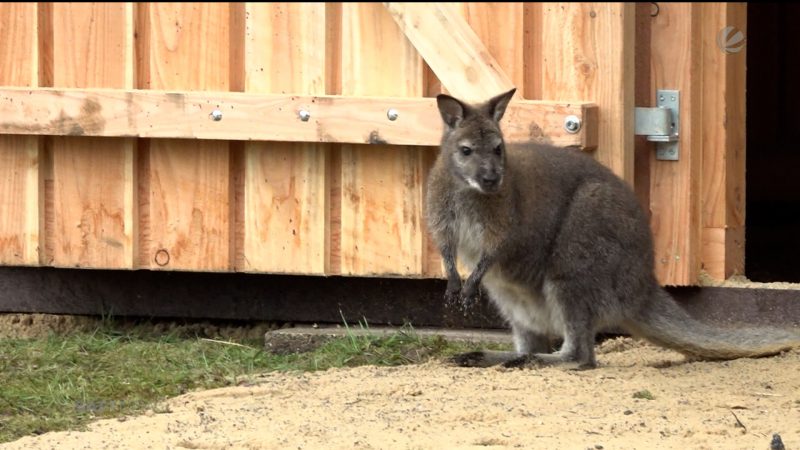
(489, 179)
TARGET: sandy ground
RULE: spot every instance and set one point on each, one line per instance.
(696, 405)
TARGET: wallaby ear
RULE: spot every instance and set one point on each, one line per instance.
(497, 105)
(451, 109)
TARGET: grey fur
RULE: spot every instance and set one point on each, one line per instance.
(560, 244)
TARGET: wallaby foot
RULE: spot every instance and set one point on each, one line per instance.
(488, 358)
(562, 360)
(485, 358)
(547, 359)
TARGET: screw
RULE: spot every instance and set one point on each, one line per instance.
(661, 98)
(392, 114)
(304, 115)
(672, 98)
(216, 115)
(572, 124)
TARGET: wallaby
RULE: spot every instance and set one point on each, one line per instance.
(561, 246)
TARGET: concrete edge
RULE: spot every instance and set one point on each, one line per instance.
(308, 337)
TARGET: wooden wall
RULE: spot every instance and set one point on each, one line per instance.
(329, 208)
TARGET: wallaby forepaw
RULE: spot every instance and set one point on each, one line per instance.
(452, 296)
(470, 359)
(470, 296)
(452, 299)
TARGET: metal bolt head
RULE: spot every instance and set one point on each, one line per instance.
(392, 114)
(304, 115)
(216, 115)
(572, 124)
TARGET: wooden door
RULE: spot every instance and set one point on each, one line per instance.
(697, 202)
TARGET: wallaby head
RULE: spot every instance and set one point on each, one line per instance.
(472, 144)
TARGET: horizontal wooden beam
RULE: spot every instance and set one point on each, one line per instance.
(263, 117)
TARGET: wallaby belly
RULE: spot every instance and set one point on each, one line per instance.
(518, 303)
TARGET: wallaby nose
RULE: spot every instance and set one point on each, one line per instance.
(490, 179)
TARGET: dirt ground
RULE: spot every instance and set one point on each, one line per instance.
(695, 405)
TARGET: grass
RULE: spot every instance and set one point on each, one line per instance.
(644, 394)
(64, 382)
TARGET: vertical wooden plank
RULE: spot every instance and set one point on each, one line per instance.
(285, 183)
(532, 50)
(675, 195)
(93, 178)
(20, 184)
(185, 46)
(237, 71)
(333, 86)
(588, 53)
(381, 194)
(736, 148)
(643, 97)
(46, 197)
(723, 140)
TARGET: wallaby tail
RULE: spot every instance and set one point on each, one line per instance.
(663, 322)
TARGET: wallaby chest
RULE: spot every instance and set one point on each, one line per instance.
(478, 226)
(469, 232)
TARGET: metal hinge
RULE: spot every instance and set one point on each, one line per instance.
(661, 124)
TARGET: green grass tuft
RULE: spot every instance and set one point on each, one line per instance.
(644, 394)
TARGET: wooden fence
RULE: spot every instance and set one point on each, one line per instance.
(255, 136)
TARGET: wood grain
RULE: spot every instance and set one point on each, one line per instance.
(186, 46)
(588, 54)
(21, 190)
(246, 116)
(93, 214)
(723, 122)
(643, 96)
(333, 86)
(452, 49)
(381, 187)
(675, 198)
(533, 69)
(285, 184)
(484, 18)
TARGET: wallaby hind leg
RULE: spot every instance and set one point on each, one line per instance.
(579, 327)
(577, 351)
(526, 343)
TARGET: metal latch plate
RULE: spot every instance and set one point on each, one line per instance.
(661, 124)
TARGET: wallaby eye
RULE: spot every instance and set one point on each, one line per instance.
(498, 150)
(466, 151)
